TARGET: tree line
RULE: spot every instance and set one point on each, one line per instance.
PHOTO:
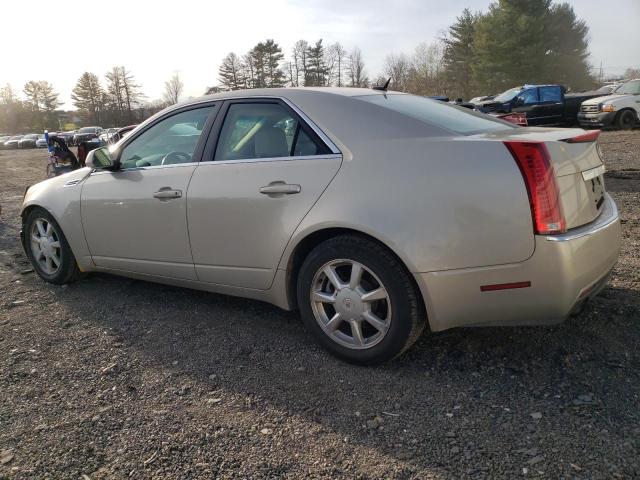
(514, 42)
(119, 102)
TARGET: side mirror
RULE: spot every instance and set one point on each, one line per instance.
(99, 158)
(519, 101)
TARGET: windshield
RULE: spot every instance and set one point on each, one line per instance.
(629, 88)
(453, 118)
(87, 130)
(508, 95)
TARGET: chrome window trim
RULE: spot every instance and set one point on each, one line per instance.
(273, 159)
(608, 216)
(300, 113)
(150, 167)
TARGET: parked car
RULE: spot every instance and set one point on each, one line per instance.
(607, 89)
(397, 213)
(542, 104)
(28, 141)
(107, 134)
(86, 133)
(121, 133)
(621, 109)
(41, 142)
(13, 141)
(3, 139)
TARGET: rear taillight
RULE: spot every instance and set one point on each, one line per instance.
(534, 163)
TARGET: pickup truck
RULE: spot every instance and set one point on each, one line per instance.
(541, 104)
(620, 109)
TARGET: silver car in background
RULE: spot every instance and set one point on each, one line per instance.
(376, 214)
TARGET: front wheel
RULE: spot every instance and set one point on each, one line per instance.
(626, 120)
(48, 249)
(359, 301)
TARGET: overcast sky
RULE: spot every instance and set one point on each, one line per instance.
(41, 40)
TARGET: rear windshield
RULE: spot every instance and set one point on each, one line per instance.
(437, 113)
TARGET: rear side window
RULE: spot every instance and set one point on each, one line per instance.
(550, 94)
(264, 130)
(437, 113)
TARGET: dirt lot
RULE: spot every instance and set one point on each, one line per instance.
(114, 378)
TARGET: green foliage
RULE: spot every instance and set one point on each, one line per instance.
(517, 42)
(89, 97)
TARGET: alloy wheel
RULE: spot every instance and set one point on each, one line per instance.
(350, 304)
(45, 246)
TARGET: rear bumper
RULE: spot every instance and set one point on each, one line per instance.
(604, 119)
(564, 271)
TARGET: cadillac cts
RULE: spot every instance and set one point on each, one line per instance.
(375, 213)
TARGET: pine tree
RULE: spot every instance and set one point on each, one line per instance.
(88, 97)
(459, 54)
(231, 73)
(316, 70)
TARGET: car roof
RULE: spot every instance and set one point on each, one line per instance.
(287, 92)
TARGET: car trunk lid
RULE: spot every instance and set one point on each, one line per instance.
(577, 168)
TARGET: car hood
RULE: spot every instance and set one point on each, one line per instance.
(605, 98)
(66, 180)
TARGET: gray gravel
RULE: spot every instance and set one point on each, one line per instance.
(114, 378)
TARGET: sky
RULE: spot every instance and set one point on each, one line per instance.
(155, 39)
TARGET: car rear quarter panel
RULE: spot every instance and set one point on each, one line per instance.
(440, 203)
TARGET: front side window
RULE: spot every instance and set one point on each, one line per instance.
(550, 94)
(529, 96)
(629, 88)
(264, 130)
(170, 141)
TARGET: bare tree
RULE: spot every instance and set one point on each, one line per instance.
(338, 56)
(299, 63)
(398, 67)
(355, 68)
(173, 89)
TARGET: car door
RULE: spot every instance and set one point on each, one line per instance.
(259, 177)
(135, 218)
(550, 108)
(527, 102)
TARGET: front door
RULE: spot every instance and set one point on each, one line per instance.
(246, 200)
(135, 218)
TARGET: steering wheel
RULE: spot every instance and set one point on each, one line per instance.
(175, 157)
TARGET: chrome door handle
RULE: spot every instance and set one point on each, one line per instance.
(167, 193)
(280, 188)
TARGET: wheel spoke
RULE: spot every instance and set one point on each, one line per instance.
(356, 275)
(323, 297)
(48, 230)
(375, 322)
(331, 274)
(333, 324)
(55, 260)
(35, 238)
(55, 244)
(356, 332)
(48, 263)
(40, 227)
(373, 295)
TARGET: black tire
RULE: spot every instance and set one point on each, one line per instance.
(407, 318)
(68, 270)
(626, 120)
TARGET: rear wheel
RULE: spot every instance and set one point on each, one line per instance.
(48, 249)
(358, 300)
(626, 120)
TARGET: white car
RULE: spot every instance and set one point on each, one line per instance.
(620, 109)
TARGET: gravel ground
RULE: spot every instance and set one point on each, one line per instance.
(114, 378)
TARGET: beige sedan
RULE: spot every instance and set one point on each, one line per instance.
(376, 214)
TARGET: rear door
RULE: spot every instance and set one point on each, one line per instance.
(263, 169)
